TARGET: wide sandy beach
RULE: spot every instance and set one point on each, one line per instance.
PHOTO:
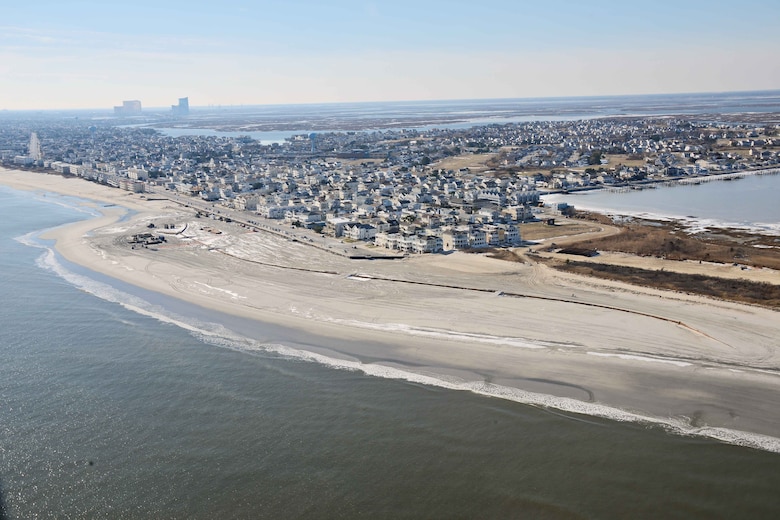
(520, 331)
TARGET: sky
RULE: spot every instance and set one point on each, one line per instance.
(66, 54)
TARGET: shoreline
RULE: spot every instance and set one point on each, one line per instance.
(693, 224)
(705, 363)
(670, 181)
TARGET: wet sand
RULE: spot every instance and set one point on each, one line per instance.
(521, 331)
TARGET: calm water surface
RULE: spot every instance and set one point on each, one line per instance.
(107, 413)
(750, 202)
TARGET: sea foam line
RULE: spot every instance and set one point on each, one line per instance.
(564, 404)
(218, 335)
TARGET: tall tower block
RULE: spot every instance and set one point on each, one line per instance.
(183, 108)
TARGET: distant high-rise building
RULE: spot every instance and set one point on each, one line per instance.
(128, 108)
(183, 108)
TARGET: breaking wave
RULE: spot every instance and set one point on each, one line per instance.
(218, 335)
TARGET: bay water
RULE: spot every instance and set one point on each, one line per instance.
(748, 202)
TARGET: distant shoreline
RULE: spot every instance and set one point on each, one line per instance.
(693, 223)
(165, 109)
(688, 179)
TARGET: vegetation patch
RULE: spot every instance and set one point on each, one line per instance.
(743, 291)
(670, 240)
(579, 251)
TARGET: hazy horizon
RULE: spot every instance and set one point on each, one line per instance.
(197, 106)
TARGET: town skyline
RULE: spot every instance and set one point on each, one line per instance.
(168, 108)
(91, 56)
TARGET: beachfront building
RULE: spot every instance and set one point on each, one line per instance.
(511, 234)
(522, 213)
(409, 243)
(455, 239)
(501, 235)
(334, 226)
(132, 185)
(137, 174)
(23, 160)
(427, 244)
(272, 212)
(386, 240)
(246, 202)
(360, 231)
(477, 238)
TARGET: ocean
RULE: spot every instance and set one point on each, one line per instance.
(116, 403)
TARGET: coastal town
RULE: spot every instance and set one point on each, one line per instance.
(390, 260)
(400, 190)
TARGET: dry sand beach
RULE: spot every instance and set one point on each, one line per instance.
(519, 331)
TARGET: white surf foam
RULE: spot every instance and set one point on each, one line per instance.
(217, 334)
(564, 404)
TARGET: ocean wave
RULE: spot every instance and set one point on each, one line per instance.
(30, 239)
(218, 335)
(563, 404)
(49, 261)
